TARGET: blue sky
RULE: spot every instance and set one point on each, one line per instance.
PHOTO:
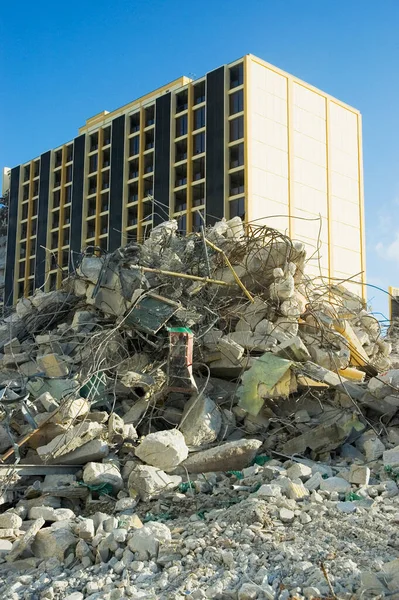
(61, 63)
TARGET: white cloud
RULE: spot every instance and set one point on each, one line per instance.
(389, 251)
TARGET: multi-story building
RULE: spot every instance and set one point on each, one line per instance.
(246, 139)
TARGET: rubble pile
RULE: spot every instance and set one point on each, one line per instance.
(181, 412)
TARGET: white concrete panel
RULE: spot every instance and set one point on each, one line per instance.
(309, 149)
(344, 163)
(267, 130)
(343, 129)
(270, 186)
(270, 159)
(267, 212)
(345, 236)
(350, 284)
(310, 226)
(275, 83)
(309, 100)
(270, 106)
(309, 199)
(309, 174)
(344, 211)
(347, 261)
(311, 125)
(344, 187)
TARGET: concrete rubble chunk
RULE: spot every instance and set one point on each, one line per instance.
(53, 365)
(10, 520)
(51, 514)
(230, 456)
(201, 421)
(74, 438)
(147, 540)
(149, 482)
(335, 484)
(54, 543)
(99, 473)
(163, 449)
(20, 545)
(299, 471)
(293, 349)
(391, 457)
(359, 474)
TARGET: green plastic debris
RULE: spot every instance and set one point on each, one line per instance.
(95, 388)
(269, 377)
(393, 473)
(201, 514)
(236, 474)
(185, 486)
(261, 460)
(161, 517)
(101, 488)
(351, 496)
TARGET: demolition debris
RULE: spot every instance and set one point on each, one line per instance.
(173, 379)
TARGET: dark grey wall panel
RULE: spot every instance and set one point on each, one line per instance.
(162, 159)
(11, 237)
(77, 196)
(41, 237)
(116, 189)
(215, 118)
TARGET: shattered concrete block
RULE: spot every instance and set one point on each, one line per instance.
(201, 421)
(269, 491)
(370, 445)
(58, 388)
(299, 471)
(98, 473)
(252, 341)
(20, 545)
(12, 347)
(230, 349)
(314, 482)
(391, 457)
(10, 520)
(53, 365)
(286, 515)
(335, 484)
(110, 302)
(149, 482)
(293, 349)
(256, 423)
(359, 474)
(71, 409)
(163, 449)
(146, 540)
(295, 491)
(50, 514)
(135, 413)
(54, 543)
(95, 450)
(74, 438)
(231, 456)
(90, 268)
(11, 360)
(48, 402)
(115, 426)
(85, 529)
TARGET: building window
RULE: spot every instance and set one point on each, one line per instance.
(33, 227)
(149, 139)
(236, 156)
(21, 288)
(65, 236)
(69, 153)
(22, 250)
(135, 123)
(68, 174)
(106, 136)
(149, 163)
(132, 216)
(148, 187)
(57, 179)
(56, 199)
(91, 207)
(25, 195)
(181, 200)
(52, 282)
(36, 168)
(35, 188)
(198, 220)
(54, 259)
(106, 158)
(92, 185)
(68, 194)
(26, 173)
(149, 116)
(134, 168)
(21, 271)
(94, 141)
(67, 215)
(55, 220)
(25, 210)
(181, 150)
(236, 183)
(199, 93)
(54, 240)
(105, 180)
(58, 158)
(236, 76)
(236, 102)
(199, 118)
(199, 143)
(24, 231)
(236, 129)
(180, 175)
(34, 207)
(104, 244)
(182, 224)
(198, 169)
(133, 192)
(91, 228)
(134, 145)
(181, 101)
(104, 202)
(198, 194)
(104, 224)
(31, 267)
(147, 210)
(65, 258)
(93, 162)
(181, 126)
(237, 208)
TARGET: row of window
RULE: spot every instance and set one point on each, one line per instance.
(58, 176)
(182, 97)
(36, 170)
(68, 150)
(105, 160)
(134, 142)
(26, 190)
(93, 140)
(149, 119)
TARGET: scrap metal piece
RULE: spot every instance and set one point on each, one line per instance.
(151, 313)
(180, 361)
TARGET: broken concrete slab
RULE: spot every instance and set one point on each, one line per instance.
(201, 421)
(163, 449)
(53, 365)
(54, 543)
(149, 482)
(231, 456)
(73, 438)
(20, 545)
(98, 473)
